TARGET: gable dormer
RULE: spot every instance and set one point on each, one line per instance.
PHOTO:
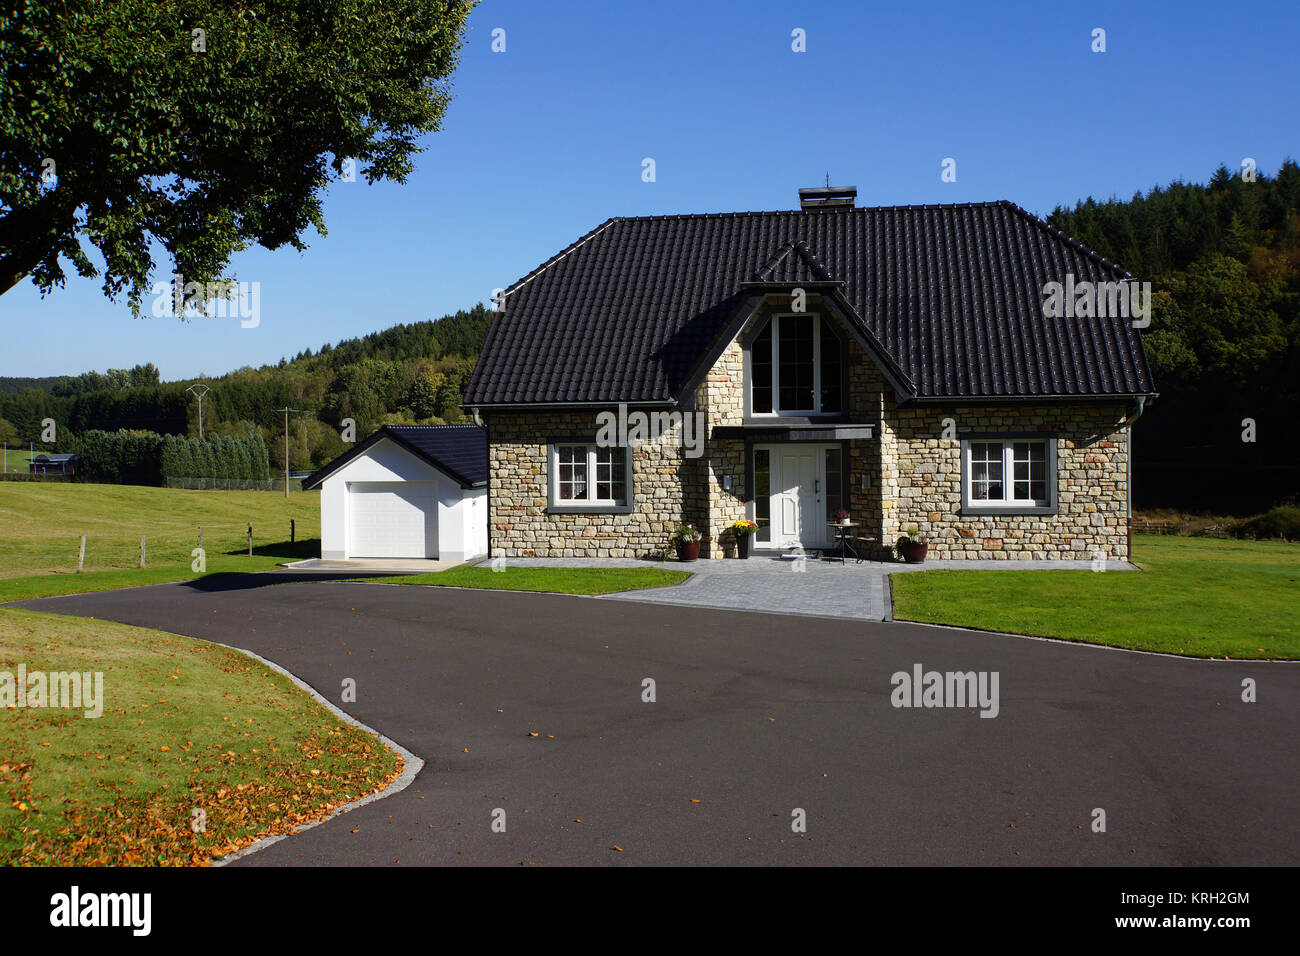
(795, 356)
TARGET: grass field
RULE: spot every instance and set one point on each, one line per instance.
(554, 580)
(1196, 596)
(17, 458)
(41, 525)
(186, 726)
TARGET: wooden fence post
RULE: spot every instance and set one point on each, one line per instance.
(142, 551)
(81, 555)
(250, 539)
(293, 530)
(200, 537)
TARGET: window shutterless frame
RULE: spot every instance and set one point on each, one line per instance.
(583, 478)
(1008, 474)
(793, 355)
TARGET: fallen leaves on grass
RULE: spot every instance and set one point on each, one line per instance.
(242, 798)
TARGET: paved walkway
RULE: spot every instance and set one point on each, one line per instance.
(814, 587)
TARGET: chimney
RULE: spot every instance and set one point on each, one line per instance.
(826, 197)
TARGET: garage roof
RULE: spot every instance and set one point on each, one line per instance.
(460, 451)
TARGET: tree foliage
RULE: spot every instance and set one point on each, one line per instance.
(1224, 342)
(146, 458)
(203, 125)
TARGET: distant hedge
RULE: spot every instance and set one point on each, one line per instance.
(146, 458)
(1283, 522)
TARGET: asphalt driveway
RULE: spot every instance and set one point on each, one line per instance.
(755, 716)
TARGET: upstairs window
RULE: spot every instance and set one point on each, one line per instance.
(796, 368)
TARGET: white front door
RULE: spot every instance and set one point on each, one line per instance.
(798, 496)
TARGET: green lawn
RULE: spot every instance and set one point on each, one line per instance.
(17, 459)
(557, 580)
(41, 524)
(1200, 597)
(185, 725)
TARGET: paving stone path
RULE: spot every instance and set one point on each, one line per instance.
(812, 586)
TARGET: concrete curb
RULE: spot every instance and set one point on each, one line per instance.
(413, 764)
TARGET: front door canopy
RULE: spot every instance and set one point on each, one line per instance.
(777, 432)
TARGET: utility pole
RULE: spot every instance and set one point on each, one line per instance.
(286, 445)
(200, 398)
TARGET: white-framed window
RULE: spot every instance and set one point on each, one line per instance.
(1012, 473)
(586, 476)
(795, 367)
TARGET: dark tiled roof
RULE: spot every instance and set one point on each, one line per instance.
(458, 450)
(793, 263)
(953, 293)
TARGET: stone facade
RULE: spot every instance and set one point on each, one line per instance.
(922, 488)
(722, 396)
(912, 476)
(665, 488)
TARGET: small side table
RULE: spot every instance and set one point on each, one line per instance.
(844, 534)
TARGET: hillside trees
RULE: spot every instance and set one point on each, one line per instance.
(1224, 341)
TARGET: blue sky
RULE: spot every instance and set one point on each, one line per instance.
(546, 140)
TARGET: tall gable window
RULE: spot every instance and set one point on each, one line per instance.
(796, 368)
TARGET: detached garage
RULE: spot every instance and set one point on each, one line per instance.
(407, 491)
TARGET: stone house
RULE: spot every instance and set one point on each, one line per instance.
(898, 363)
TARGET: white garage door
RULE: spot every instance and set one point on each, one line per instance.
(392, 519)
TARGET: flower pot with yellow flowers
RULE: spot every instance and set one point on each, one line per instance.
(744, 532)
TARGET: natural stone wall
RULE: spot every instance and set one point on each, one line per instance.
(665, 486)
(722, 396)
(923, 488)
(867, 389)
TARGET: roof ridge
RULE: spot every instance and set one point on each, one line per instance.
(813, 261)
(810, 212)
(1066, 238)
(444, 425)
(801, 248)
(774, 260)
(560, 255)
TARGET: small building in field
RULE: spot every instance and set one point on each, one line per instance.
(406, 491)
(44, 464)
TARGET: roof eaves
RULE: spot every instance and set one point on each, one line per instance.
(1029, 397)
(312, 481)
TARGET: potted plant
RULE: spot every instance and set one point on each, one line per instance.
(912, 546)
(841, 517)
(742, 530)
(687, 539)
